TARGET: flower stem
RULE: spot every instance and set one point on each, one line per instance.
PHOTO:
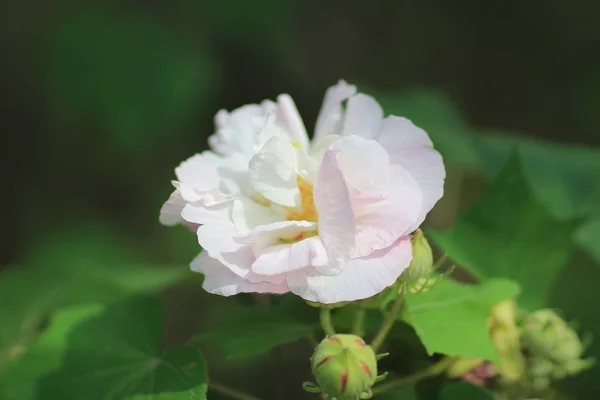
(432, 370)
(326, 321)
(227, 391)
(389, 321)
(358, 328)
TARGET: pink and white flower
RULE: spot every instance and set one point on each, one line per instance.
(328, 220)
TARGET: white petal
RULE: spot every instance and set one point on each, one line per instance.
(273, 172)
(217, 240)
(248, 214)
(288, 116)
(170, 212)
(331, 114)
(361, 278)
(363, 116)
(236, 131)
(411, 148)
(271, 233)
(220, 280)
(399, 133)
(290, 257)
(336, 218)
(199, 172)
(380, 224)
(364, 164)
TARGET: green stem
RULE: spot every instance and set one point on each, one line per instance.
(432, 370)
(358, 328)
(233, 393)
(326, 321)
(388, 322)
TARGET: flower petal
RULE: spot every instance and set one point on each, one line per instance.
(288, 116)
(170, 212)
(363, 116)
(411, 148)
(220, 280)
(272, 233)
(371, 177)
(380, 224)
(361, 278)
(290, 257)
(336, 218)
(273, 172)
(330, 117)
(217, 240)
(236, 130)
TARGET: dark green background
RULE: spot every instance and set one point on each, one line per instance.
(102, 99)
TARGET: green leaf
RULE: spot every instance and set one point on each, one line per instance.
(255, 331)
(87, 264)
(565, 178)
(452, 318)
(117, 355)
(19, 375)
(435, 112)
(588, 237)
(508, 233)
(130, 75)
(464, 390)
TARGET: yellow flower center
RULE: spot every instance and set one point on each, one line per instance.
(308, 211)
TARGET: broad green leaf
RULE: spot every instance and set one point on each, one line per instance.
(565, 178)
(255, 331)
(464, 391)
(588, 237)
(136, 79)
(18, 377)
(436, 113)
(87, 264)
(452, 318)
(508, 233)
(118, 355)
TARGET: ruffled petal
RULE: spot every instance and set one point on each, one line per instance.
(273, 172)
(220, 280)
(361, 278)
(370, 177)
(272, 233)
(218, 242)
(288, 116)
(170, 212)
(411, 148)
(236, 130)
(381, 223)
(330, 117)
(284, 258)
(336, 218)
(363, 116)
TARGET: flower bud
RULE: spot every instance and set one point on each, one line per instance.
(554, 350)
(345, 367)
(422, 262)
(506, 338)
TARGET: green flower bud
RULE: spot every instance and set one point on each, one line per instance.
(553, 348)
(345, 367)
(547, 334)
(422, 262)
(506, 338)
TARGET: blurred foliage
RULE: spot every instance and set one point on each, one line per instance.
(130, 74)
(109, 96)
(508, 234)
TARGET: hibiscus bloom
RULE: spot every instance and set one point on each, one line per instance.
(329, 220)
